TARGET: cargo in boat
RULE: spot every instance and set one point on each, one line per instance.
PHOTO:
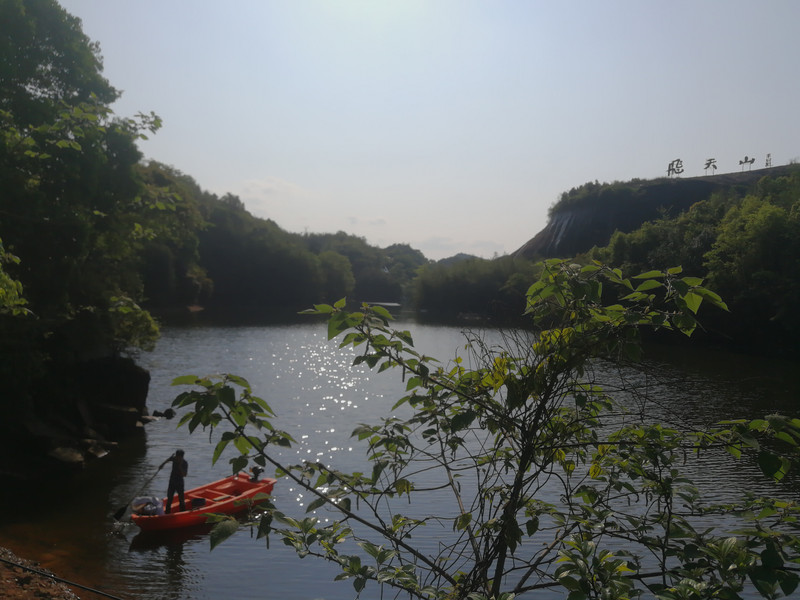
(231, 495)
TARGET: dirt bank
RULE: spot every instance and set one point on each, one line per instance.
(17, 583)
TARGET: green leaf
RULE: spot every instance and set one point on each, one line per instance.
(403, 486)
(648, 285)
(243, 445)
(462, 522)
(238, 463)
(370, 549)
(239, 415)
(223, 530)
(316, 504)
(532, 525)
(462, 420)
(693, 301)
(685, 323)
(218, 450)
(692, 281)
(240, 381)
(649, 275)
(571, 584)
(785, 437)
(382, 312)
(771, 558)
(773, 466)
(712, 297)
(789, 584)
(226, 395)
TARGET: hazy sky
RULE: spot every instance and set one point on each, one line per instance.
(450, 125)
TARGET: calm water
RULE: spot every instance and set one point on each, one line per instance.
(318, 397)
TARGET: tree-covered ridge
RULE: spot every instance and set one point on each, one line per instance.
(216, 254)
(588, 215)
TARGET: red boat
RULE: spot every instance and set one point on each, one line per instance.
(229, 496)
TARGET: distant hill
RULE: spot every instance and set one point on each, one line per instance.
(588, 216)
(457, 258)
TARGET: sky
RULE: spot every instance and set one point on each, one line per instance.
(449, 125)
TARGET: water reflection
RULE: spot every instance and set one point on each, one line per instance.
(163, 555)
(149, 541)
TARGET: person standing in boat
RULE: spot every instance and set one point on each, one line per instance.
(180, 468)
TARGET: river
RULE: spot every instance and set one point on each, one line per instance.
(318, 397)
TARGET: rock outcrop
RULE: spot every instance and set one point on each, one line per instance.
(80, 414)
(576, 227)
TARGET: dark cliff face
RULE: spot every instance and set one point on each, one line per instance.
(576, 227)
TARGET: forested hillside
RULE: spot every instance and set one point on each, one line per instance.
(95, 242)
(741, 233)
(225, 260)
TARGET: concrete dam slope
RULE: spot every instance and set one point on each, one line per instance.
(577, 225)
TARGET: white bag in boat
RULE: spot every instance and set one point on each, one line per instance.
(147, 505)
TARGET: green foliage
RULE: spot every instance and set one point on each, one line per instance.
(69, 213)
(47, 61)
(617, 192)
(755, 260)
(379, 275)
(528, 421)
(74, 214)
(171, 270)
(253, 263)
(475, 287)
(12, 300)
(337, 274)
(748, 246)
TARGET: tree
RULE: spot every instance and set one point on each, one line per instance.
(71, 210)
(475, 286)
(71, 207)
(337, 275)
(754, 260)
(528, 415)
(74, 213)
(745, 240)
(370, 266)
(47, 61)
(171, 273)
(253, 263)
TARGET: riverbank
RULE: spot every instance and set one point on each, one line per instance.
(20, 583)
